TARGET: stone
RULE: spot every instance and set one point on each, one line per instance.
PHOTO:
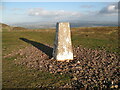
(62, 50)
(75, 78)
(112, 86)
(77, 72)
(116, 86)
(78, 62)
(50, 66)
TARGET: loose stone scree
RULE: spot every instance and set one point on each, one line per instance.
(62, 50)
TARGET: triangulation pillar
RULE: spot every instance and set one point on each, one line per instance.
(62, 50)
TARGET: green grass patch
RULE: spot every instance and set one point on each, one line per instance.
(22, 77)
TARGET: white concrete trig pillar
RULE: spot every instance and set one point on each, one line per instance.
(62, 50)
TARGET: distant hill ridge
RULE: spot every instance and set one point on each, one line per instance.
(8, 27)
(4, 25)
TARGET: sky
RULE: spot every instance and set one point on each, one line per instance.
(43, 12)
(60, 0)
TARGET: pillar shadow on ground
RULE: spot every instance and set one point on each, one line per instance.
(44, 48)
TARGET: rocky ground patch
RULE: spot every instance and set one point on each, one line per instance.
(89, 69)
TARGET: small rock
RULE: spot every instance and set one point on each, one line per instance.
(15, 59)
(50, 66)
(61, 73)
(77, 72)
(75, 56)
(78, 62)
(59, 70)
(74, 78)
(112, 86)
(116, 86)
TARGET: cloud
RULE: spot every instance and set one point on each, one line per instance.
(57, 15)
(109, 10)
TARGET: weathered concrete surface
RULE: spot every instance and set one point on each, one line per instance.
(62, 46)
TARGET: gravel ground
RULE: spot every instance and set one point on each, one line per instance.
(90, 69)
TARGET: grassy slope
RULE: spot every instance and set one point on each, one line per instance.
(96, 38)
(20, 76)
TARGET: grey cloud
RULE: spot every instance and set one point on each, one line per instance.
(110, 9)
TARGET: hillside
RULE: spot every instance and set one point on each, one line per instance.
(11, 28)
(18, 28)
(26, 59)
(4, 25)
